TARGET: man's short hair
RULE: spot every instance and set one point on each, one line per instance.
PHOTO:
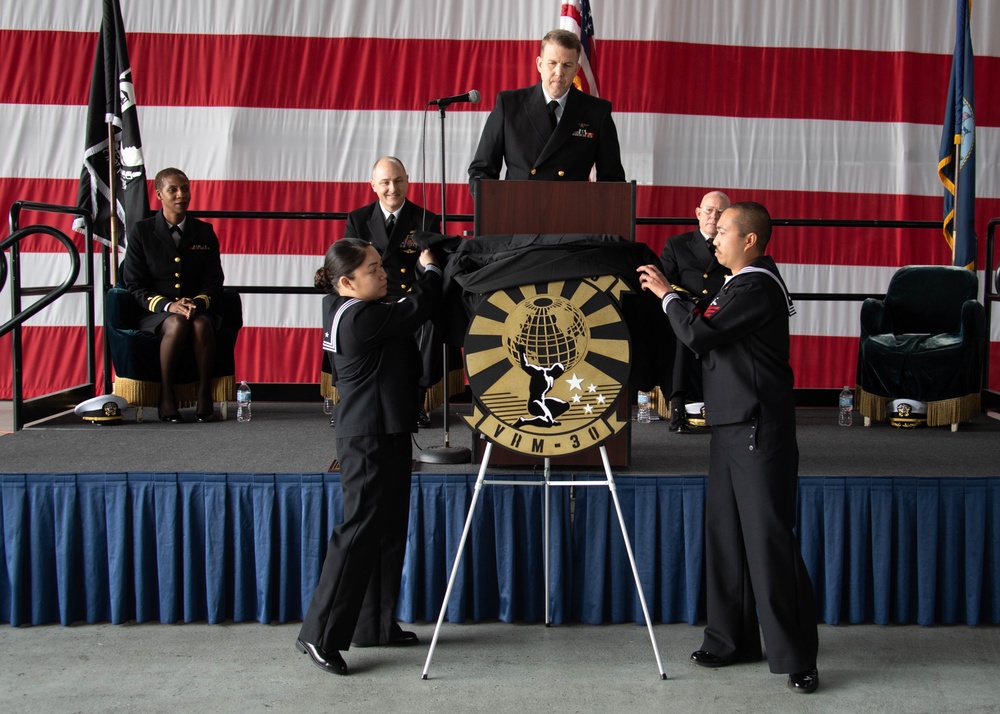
(752, 217)
(390, 159)
(563, 38)
(164, 174)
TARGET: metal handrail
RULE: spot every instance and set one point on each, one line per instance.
(468, 218)
(643, 221)
(274, 215)
(52, 293)
(651, 221)
(48, 405)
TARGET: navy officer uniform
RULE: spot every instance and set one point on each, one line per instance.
(399, 252)
(375, 356)
(688, 262)
(518, 132)
(158, 269)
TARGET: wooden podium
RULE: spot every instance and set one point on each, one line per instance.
(506, 207)
(558, 207)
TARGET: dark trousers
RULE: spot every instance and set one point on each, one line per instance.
(686, 378)
(753, 563)
(359, 583)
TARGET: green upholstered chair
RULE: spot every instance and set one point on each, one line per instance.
(925, 341)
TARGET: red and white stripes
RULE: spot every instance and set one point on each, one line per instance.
(816, 109)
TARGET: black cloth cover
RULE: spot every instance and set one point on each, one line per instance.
(486, 264)
(926, 340)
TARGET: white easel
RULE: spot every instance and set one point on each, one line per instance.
(610, 482)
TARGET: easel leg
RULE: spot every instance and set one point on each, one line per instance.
(545, 537)
(458, 555)
(631, 558)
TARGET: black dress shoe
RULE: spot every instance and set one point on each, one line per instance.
(423, 419)
(330, 662)
(205, 418)
(397, 638)
(678, 417)
(679, 426)
(403, 638)
(705, 658)
(805, 682)
(175, 418)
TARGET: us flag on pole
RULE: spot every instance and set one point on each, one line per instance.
(112, 99)
(575, 16)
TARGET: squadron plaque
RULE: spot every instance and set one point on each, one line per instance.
(546, 364)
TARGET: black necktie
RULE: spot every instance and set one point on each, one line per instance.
(176, 233)
(553, 105)
(390, 223)
(711, 245)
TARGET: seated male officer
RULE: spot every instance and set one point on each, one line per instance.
(689, 263)
(388, 224)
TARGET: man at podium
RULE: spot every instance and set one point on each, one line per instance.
(550, 131)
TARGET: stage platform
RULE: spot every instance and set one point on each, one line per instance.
(228, 521)
(297, 438)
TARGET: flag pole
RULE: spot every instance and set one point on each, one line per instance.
(112, 198)
(954, 218)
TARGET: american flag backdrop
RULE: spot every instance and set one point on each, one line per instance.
(817, 109)
(575, 16)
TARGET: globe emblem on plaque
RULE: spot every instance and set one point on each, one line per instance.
(550, 329)
(546, 364)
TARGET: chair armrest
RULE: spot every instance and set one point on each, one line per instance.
(973, 325)
(875, 319)
(232, 310)
(120, 310)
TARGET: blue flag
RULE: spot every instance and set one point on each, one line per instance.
(957, 162)
(112, 100)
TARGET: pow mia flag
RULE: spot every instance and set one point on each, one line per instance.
(112, 99)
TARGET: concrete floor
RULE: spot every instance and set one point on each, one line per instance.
(491, 667)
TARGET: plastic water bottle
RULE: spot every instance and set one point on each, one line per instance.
(846, 417)
(643, 415)
(243, 402)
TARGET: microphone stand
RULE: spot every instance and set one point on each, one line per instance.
(446, 454)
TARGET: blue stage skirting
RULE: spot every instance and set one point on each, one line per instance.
(217, 547)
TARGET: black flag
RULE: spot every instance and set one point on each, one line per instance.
(112, 99)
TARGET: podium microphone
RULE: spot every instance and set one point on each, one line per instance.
(472, 97)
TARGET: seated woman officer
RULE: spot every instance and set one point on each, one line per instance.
(377, 366)
(173, 270)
